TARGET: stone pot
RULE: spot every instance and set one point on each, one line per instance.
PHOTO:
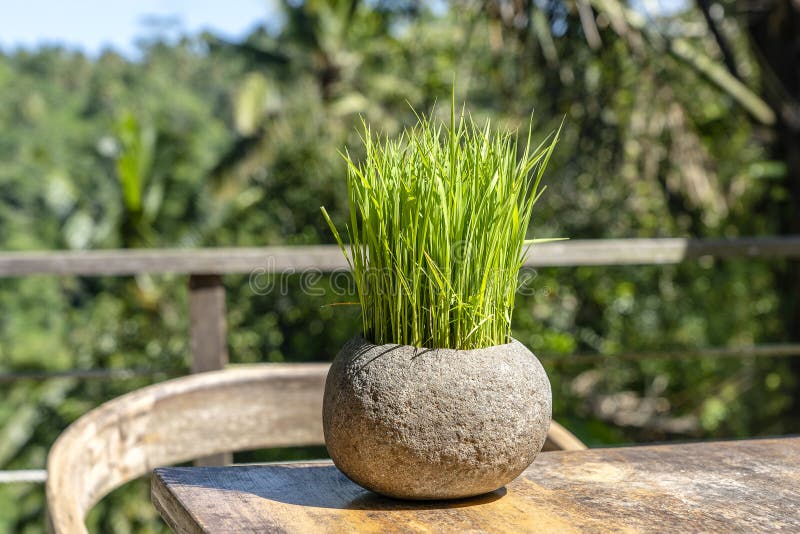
(418, 423)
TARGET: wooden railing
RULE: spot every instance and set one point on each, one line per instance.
(205, 267)
(208, 328)
(328, 258)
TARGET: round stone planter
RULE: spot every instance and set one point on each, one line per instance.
(417, 423)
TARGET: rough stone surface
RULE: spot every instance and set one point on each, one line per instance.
(435, 423)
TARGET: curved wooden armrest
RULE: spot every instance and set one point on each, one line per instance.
(561, 439)
(239, 408)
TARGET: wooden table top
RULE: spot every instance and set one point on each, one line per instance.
(746, 486)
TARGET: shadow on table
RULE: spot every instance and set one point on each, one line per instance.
(322, 486)
(372, 501)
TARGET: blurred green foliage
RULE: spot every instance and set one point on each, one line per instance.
(205, 142)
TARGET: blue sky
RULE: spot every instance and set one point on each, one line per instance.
(91, 25)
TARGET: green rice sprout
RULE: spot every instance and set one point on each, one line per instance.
(438, 219)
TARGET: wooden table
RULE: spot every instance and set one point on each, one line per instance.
(744, 486)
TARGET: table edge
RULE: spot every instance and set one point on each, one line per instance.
(182, 521)
(177, 517)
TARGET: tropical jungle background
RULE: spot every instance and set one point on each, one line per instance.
(679, 121)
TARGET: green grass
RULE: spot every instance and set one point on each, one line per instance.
(438, 219)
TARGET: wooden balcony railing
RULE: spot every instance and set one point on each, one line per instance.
(205, 267)
(208, 329)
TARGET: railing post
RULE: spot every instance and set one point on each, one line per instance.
(208, 335)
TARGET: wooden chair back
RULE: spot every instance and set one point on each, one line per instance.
(239, 408)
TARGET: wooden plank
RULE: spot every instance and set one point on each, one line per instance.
(174, 515)
(657, 251)
(744, 486)
(327, 258)
(774, 350)
(207, 324)
(154, 261)
(208, 336)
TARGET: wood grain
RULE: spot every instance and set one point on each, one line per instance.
(327, 258)
(744, 486)
(208, 337)
(207, 325)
